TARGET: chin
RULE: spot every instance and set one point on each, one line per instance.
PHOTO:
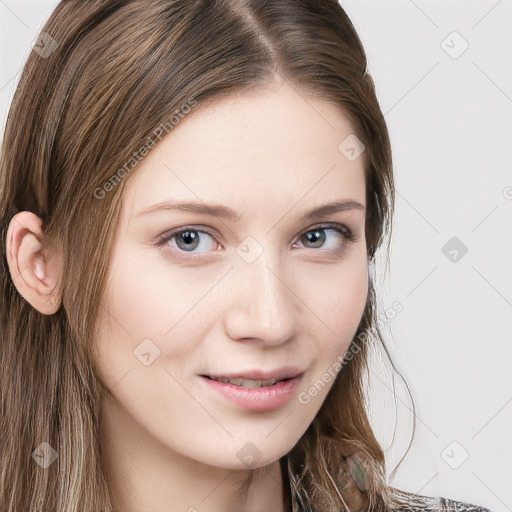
(249, 456)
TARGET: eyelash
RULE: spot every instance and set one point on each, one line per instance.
(163, 240)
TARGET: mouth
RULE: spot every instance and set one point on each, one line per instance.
(256, 390)
(248, 383)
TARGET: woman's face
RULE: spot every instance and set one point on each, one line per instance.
(265, 295)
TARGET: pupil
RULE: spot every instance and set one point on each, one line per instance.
(316, 234)
(187, 237)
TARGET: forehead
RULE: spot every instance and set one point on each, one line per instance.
(254, 151)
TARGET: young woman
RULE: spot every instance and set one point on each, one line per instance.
(192, 194)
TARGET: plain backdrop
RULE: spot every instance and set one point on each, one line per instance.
(443, 72)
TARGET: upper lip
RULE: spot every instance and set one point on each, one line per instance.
(285, 372)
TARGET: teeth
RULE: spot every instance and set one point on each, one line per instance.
(247, 383)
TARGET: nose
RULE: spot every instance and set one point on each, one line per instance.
(262, 305)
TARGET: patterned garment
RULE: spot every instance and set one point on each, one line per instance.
(354, 494)
(440, 504)
(460, 506)
(357, 501)
(358, 483)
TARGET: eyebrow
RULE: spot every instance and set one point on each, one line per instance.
(225, 212)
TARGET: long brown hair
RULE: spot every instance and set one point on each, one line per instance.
(108, 77)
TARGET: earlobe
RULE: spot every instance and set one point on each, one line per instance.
(35, 263)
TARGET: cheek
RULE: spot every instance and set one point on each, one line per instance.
(348, 305)
(341, 306)
(140, 304)
(344, 291)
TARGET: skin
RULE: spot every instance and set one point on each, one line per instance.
(168, 442)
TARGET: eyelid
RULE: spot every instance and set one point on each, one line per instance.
(345, 230)
(165, 237)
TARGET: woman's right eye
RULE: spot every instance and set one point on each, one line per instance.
(185, 240)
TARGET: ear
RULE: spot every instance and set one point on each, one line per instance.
(35, 263)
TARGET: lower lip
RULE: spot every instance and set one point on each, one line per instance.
(261, 399)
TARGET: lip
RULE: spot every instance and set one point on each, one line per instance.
(262, 399)
(285, 372)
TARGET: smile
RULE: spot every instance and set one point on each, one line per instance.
(257, 395)
(247, 383)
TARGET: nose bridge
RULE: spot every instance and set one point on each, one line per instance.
(270, 292)
(263, 305)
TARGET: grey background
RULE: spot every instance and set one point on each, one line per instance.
(450, 121)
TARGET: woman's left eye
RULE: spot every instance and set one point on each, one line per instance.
(188, 239)
(314, 236)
